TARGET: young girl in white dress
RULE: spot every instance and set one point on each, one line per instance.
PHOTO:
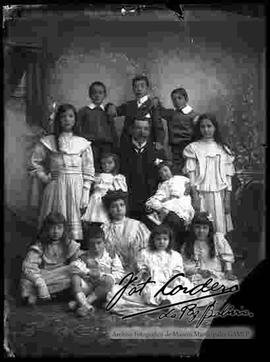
(108, 179)
(161, 263)
(209, 165)
(172, 195)
(64, 163)
(46, 269)
(207, 254)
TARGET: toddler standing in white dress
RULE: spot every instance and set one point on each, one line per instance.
(107, 180)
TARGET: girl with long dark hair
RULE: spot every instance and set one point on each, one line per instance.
(64, 163)
(209, 165)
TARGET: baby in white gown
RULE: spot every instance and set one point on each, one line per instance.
(173, 194)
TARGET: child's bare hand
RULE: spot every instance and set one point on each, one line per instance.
(148, 209)
(111, 110)
(162, 213)
(155, 102)
(45, 178)
(158, 146)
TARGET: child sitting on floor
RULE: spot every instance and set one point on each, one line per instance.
(94, 273)
(45, 269)
(207, 254)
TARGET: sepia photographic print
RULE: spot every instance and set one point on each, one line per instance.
(134, 179)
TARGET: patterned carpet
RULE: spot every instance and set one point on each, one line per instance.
(51, 330)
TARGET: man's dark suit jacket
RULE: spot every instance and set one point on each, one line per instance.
(141, 173)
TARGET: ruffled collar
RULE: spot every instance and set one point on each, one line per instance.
(69, 144)
(119, 222)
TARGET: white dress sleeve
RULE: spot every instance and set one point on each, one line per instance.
(190, 163)
(229, 170)
(142, 261)
(140, 241)
(155, 201)
(88, 169)
(177, 263)
(119, 183)
(117, 269)
(78, 267)
(32, 262)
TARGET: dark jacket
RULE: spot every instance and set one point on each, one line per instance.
(130, 110)
(95, 125)
(141, 172)
(180, 125)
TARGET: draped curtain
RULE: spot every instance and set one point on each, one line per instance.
(20, 59)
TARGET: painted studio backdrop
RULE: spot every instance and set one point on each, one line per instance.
(52, 55)
(217, 56)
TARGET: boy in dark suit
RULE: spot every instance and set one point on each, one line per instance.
(138, 163)
(180, 121)
(141, 107)
(95, 124)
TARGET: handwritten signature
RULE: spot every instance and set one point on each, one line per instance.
(131, 288)
(204, 316)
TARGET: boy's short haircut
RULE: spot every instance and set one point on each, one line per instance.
(181, 91)
(140, 77)
(100, 84)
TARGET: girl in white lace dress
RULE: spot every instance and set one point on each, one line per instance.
(64, 163)
(207, 254)
(209, 165)
(160, 262)
(108, 179)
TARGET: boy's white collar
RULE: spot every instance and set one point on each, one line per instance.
(142, 100)
(187, 109)
(93, 106)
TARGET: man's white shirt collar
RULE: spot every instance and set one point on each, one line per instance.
(93, 106)
(138, 146)
(142, 100)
